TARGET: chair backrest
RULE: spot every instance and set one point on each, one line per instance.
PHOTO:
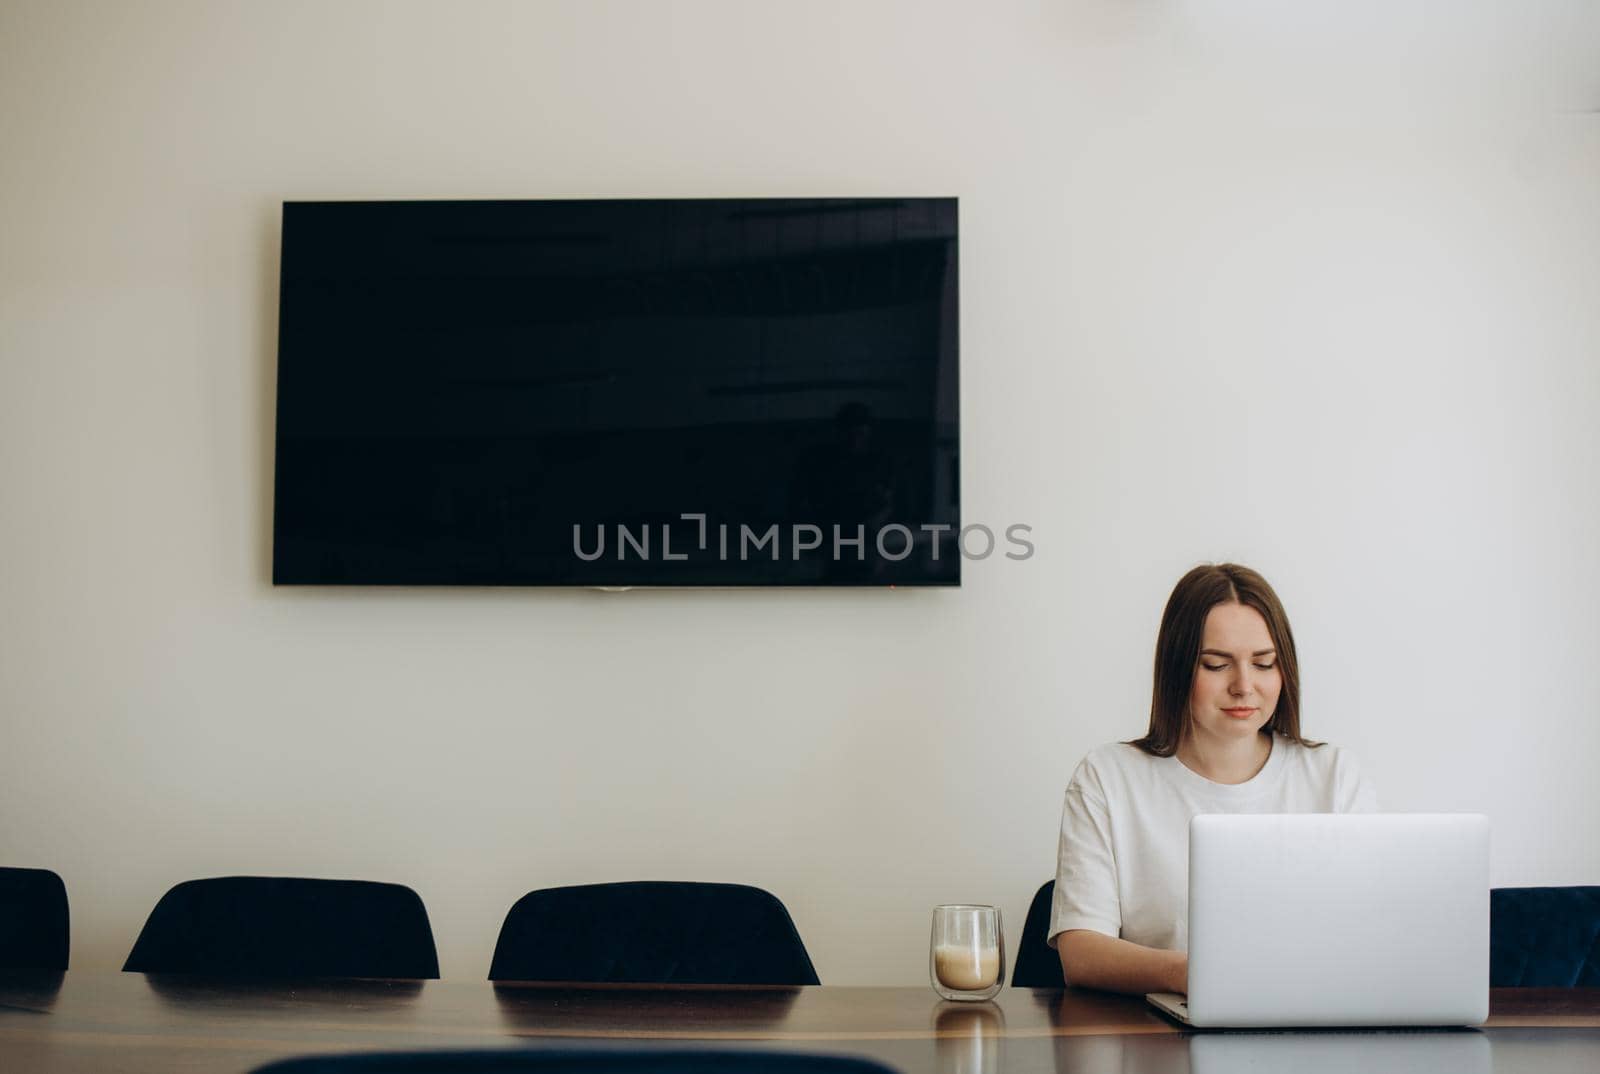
(531, 1060)
(1544, 937)
(1037, 965)
(652, 932)
(262, 926)
(34, 925)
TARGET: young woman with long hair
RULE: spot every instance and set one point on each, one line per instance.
(1224, 737)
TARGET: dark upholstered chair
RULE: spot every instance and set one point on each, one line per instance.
(575, 1061)
(259, 926)
(651, 932)
(34, 926)
(1544, 937)
(1037, 965)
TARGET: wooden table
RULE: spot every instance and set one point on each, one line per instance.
(88, 1022)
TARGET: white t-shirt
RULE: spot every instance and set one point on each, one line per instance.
(1123, 864)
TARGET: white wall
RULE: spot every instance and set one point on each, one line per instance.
(1307, 286)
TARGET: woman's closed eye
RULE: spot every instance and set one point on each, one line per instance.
(1224, 667)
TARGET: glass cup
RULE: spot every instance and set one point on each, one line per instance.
(967, 954)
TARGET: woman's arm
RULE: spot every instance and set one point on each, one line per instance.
(1095, 960)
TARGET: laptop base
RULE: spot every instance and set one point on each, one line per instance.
(1172, 1004)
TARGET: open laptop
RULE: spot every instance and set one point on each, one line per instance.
(1350, 919)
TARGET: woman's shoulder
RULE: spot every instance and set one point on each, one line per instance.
(1322, 759)
(1116, 755)
(1111, 763)
(1333, 774)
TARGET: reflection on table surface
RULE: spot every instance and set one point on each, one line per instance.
(88, 1022)
(1444, 1051)
(1462, 1051)
(1321, 1052)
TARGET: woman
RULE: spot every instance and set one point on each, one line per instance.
(1224, 737)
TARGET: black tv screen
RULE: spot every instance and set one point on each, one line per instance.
(753, 392)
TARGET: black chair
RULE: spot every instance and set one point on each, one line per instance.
(1544, 937)
(259, 926)
(651, 932)
(570, 1061)
(35, 931)
(1037, 965)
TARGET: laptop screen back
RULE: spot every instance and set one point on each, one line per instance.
(1338, 919)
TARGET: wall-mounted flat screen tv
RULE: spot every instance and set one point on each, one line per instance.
(703, 392)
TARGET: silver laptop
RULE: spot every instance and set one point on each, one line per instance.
(1351, 919)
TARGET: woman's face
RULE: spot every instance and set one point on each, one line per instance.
(1236, 679)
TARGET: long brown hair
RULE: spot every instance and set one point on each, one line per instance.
(1178, 651)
